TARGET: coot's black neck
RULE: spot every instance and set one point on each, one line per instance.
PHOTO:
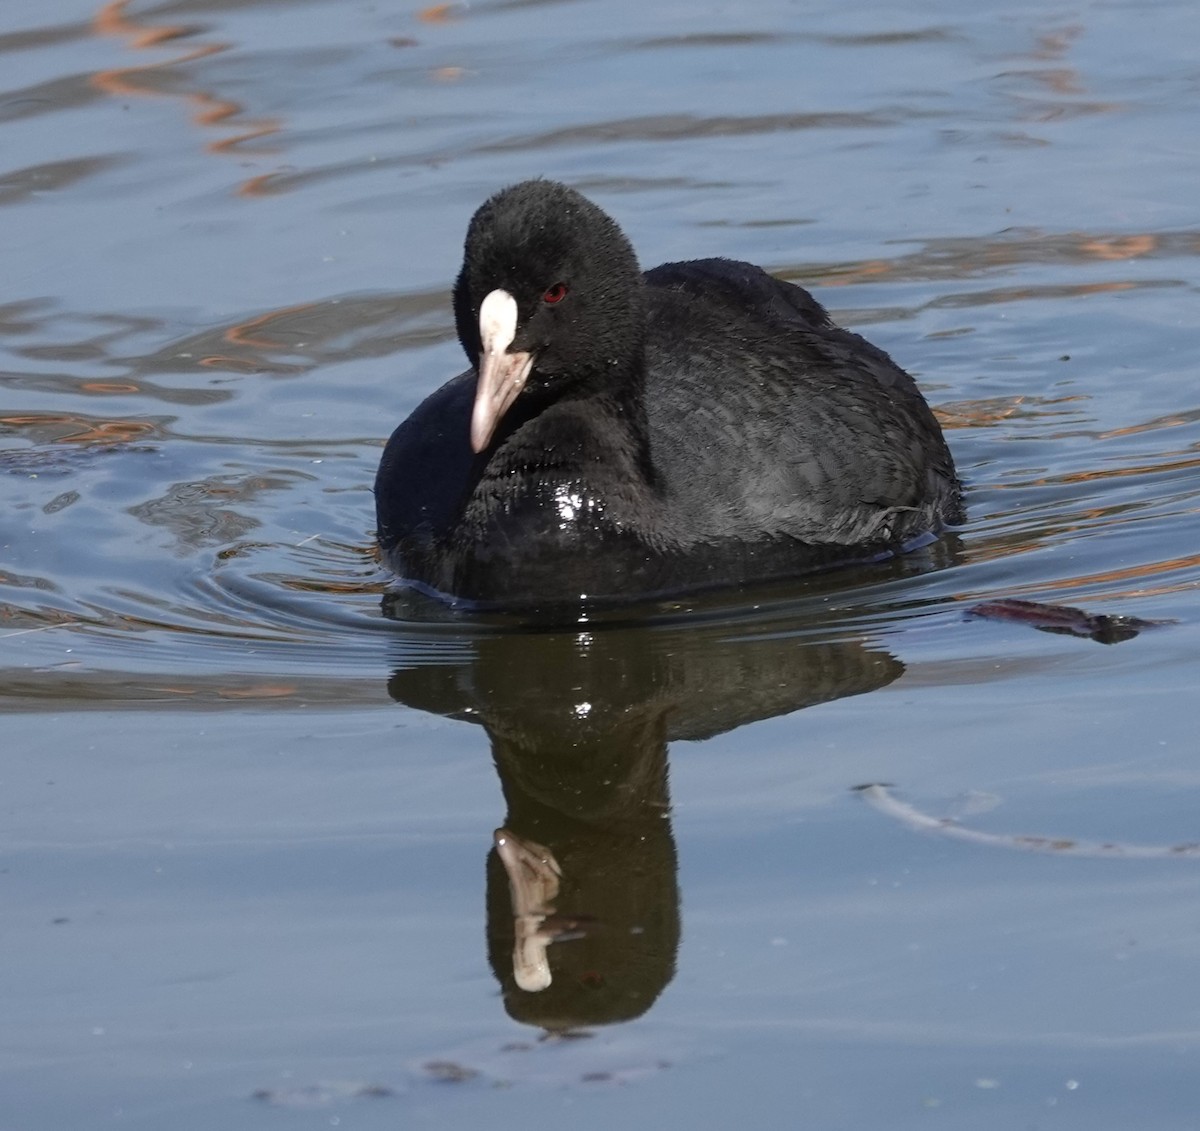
(592, 426)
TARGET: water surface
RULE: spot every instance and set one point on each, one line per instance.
(246, 817)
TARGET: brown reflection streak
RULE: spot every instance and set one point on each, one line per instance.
(88, 431)
(249, 335)
(1147, 426)
(209, 110)
(243, 334)
(1131, 573)
(1106, 577)
(228, 628)
(939, 257)
(262, 185)
(440, 13)
(263, 691)
(1061, 80)
(991, 411)
(353, 588)
(1116, 472)
(46, 618)
(236, 364)
(109, 387)
(1120, 247)
(1053, 45)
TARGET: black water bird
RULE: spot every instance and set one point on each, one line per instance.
(621, 434)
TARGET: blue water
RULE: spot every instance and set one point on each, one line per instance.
(246, 819)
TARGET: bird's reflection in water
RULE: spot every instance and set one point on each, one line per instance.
(582, 891)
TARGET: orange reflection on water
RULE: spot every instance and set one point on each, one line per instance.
(853, 273)
(1118, 472)
(109, 387)
(1120, 247)
(1063, 81)
(247, 333)
(1146, 572)
(1012, 545)
(261, 691)
(224, 361)
(151, 79)
(965, 257)
(252, 341)
(989, 411)
(82, 430)
(1187, 562)
(336, 588)
(1174, 420)
(262, 185)
(440, 13)
(1052, 45)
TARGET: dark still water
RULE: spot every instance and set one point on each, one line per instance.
(269, 856)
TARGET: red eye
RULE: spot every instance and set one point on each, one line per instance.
(555, 294)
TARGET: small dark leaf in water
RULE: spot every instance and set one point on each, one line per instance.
(61, 502)
(1065, 619)
(324, 1094)
(449, 1071)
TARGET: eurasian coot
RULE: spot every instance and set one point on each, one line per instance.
(622, 434)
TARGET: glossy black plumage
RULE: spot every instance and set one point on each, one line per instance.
(702, 424)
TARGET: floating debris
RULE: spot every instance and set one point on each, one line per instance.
(324, 1093)
(450, 1071)
(879, 796)
(1064, 619)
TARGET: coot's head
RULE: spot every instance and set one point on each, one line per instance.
(549, 299)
